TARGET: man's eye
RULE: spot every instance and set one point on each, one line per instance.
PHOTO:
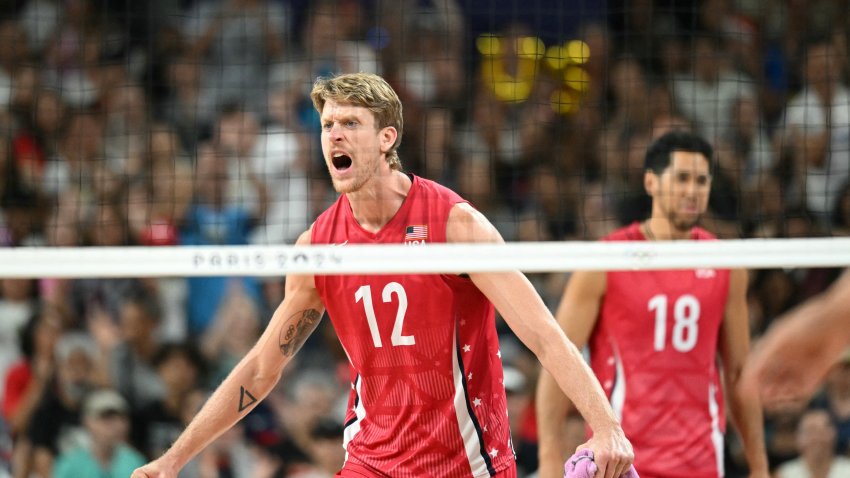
(326, 126)
(351, 124)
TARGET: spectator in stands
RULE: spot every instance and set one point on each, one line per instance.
(707, 94)
(70, 56)
(237, 138)
(229, 455)
(27, 380)
(39, 19)
(102, 299)
(326, 456)
(37, 137)
(80, 149)
(20, 217)
(55, 424)
(306, 400)
(750, 143)
(180, 368)
(236, 41)
(329, 44)
(232, 334)
(157, 203)
(520, 413)
(836, 401)
(817, 126)
(13, 53)
(781, 434)
(126, 121)
(18, 303)
(105, 417)
(213, 220)
(129, 349)
(188, 107)
(280, 158)
(816, 444)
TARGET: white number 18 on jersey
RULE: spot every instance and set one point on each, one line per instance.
(686, 312)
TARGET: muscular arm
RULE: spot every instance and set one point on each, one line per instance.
(252, 378)
(577, 316)
(795, 354)
(734, 347)
(526, 314)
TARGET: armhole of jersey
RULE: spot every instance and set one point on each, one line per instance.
(463, 277)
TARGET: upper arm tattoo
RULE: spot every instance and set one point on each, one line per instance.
(296, 329)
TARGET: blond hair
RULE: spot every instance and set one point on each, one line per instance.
(369, 91)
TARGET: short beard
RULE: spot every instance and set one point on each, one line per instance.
(350, 187)
(681, 225)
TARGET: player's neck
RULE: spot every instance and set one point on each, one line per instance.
(657, 229)
(379, 200)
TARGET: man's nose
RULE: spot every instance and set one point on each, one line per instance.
(691, 188)
(335, 133)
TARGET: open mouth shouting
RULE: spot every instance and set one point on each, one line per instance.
(341, 161)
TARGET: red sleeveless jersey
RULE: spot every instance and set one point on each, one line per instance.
(654, 350)
(427, 398)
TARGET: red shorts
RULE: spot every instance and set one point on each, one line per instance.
(351, 470)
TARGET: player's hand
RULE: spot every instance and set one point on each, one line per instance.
(612, 452)
(155, 469)
(786, 365)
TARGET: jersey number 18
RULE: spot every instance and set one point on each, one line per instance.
(686, 311)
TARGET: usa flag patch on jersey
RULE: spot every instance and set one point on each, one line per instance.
(416, 233)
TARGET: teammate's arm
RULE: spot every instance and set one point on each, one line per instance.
(527, 315)
(577, 314)
(798, 350)
(252, 378)
(734, 347)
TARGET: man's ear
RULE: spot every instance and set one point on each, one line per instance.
(388, 136)
(650, 182)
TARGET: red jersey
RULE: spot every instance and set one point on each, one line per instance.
(654, 350)
(427, 398)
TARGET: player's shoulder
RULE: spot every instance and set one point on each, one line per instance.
(434, 189)
(328, 220)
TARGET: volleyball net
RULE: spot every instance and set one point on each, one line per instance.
(532, 257)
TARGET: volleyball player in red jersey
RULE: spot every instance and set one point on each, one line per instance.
(427, 398)
(654, 337)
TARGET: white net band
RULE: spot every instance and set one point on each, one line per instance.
(433, 258)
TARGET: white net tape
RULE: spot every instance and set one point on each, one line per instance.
(433, 258)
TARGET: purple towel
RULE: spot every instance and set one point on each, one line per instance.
(581, 465)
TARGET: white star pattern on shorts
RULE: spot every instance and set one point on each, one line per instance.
(469, 377)
(494, 453)
(467, 348)
(477, 402)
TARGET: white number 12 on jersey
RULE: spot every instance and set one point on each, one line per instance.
(364, 293)
(685, 314)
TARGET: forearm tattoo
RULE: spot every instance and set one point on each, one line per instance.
(296, 329)
(245, 399)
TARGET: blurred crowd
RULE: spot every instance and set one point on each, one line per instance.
(165, 123)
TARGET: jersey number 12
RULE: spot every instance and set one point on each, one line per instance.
(686, 311)
(364, 293)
